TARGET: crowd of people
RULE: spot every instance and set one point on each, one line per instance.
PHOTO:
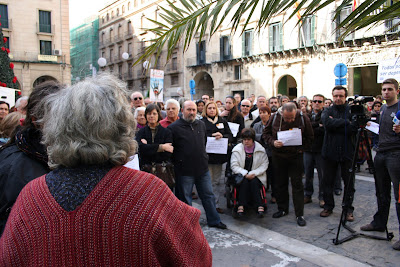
(78, 138)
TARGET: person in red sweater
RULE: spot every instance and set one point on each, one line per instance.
(90, 210)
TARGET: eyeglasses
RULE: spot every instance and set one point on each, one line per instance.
(246, 106)
(317, 101)
(136, 98)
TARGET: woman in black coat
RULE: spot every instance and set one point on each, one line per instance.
(217, 127)
(232, 114)
(155, 141)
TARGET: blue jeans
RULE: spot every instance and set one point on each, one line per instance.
(184, 186)
(311, 159)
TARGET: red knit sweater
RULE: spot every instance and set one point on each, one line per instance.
(131, 218)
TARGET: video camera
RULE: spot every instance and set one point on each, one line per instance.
(357, 108)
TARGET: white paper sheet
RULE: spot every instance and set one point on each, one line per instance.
(234, 128)
(374, 127)
(290, 137)
(133, 162)
(215, 146)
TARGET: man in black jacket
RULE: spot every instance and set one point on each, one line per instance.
(191, 162)
(337, 149)
(313, 156)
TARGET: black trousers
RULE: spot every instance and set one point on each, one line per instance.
(387, 171)
(284, 168)
(249, 192)
(329, 177)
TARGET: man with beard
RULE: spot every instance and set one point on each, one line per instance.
(191, 162)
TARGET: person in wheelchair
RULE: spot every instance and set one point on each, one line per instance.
(249, 159)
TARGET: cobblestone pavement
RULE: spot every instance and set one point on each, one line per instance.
(312, 244)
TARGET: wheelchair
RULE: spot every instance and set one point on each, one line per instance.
(232, 194)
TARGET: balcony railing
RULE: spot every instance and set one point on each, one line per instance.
(32, 56)
(128, 34)
(45, 28)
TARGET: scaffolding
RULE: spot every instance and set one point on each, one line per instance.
(84, 49)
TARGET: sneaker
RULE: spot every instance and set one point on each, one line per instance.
(370, 227)
(325, 213)
(301, 221)
(396, 246)
(307, 200)
(350, 217)
(278, 214)
(321, 204)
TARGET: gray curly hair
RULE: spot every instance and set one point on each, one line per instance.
(89, 122)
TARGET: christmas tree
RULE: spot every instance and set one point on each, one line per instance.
(7, 78)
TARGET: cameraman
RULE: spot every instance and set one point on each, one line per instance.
(337, 150)
(387, 159)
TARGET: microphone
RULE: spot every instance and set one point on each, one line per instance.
(396, 119)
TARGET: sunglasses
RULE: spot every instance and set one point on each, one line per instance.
(317, 101)
(136, 98)
(246, 106)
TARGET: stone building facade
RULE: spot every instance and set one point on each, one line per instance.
(285, 57)
(122, 29)
(289, 58)
(38, 38)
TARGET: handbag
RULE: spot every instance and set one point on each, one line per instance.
(164, 171)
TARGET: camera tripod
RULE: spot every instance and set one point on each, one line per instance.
(361, 132)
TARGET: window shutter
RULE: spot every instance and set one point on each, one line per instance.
(271, 38)
(197, 54)
(250, 43)
(312, 37)
(229, 48)
(221, 48)
(280, 36)
(244, 44)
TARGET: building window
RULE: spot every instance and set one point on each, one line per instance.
(307, 31)
(111, 35)
(201, 53)
(111, 55)
(238, 73)
(392, 25)
(123, 9)
(130, 49)
(102, 37)
(44, 21)
(225, 48)
(103, 54)
(108, 17)
(247, 43)
(112, 14)
(120, 71)
(129, 5)
(45, 47)
(135, 3)
(7, 43)
(174, 79)
(119, 51)
(117, 12)
(4, 16)
(174, 61)
(275, 37)
(344, 13)
(119, 31)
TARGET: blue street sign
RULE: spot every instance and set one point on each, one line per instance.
(192, 91)
(192, 84)
(340, 70)
(341, 81)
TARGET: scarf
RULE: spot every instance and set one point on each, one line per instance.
(213, 121)
(28, 141)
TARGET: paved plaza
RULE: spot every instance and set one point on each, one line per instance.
(251, 241)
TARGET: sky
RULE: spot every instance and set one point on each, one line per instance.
(81, 9)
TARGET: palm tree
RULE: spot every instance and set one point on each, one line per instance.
(194, 17)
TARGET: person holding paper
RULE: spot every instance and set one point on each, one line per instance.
(218, 128)
(231, 114)
(288, 160)
(387, 160)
